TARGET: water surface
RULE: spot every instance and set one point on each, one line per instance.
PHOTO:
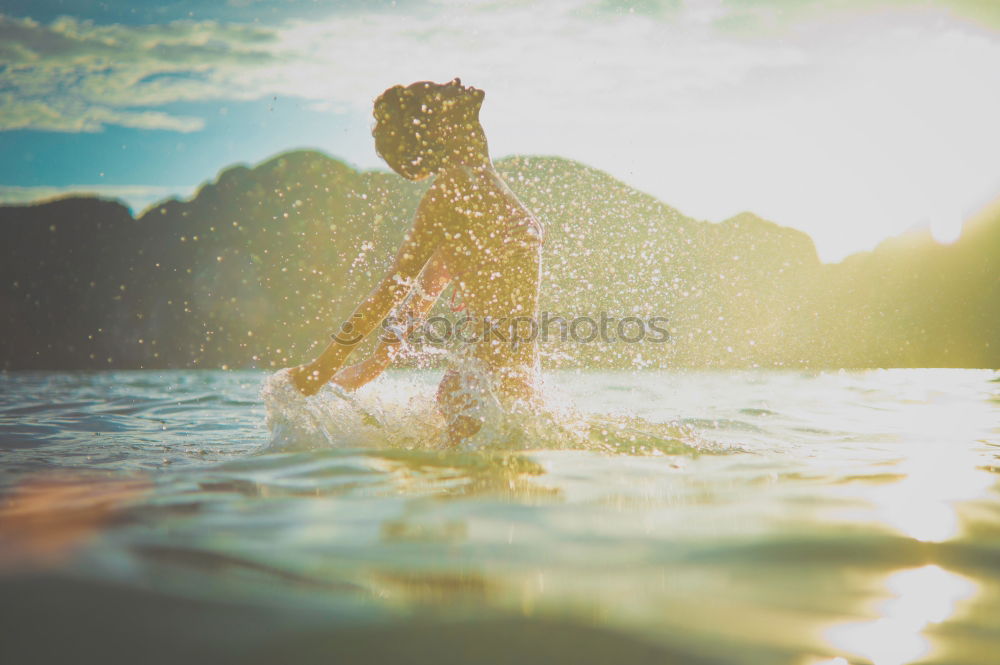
(716, 517)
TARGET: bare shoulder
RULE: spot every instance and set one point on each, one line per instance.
(447, 188)
(475, 192)
(450, 200)
(431, 215)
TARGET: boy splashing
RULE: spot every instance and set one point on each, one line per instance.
(469, 229)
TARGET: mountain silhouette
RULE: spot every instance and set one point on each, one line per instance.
(261, 265)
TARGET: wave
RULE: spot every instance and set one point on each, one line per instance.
(402, 414)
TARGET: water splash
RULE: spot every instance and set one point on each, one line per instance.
(401, 413)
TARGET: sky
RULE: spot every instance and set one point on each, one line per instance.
(852, 120)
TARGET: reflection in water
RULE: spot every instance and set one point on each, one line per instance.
(755, 557)
(46, 518)
(920, 596)
(941, 468)
(922, 504)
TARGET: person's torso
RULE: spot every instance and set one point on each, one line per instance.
(493, 249)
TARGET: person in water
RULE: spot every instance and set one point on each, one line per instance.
(469, 229)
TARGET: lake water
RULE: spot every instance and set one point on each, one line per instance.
(656, 517)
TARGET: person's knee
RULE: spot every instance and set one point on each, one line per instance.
(458, 407)
(447, 387)
(463, 427)
(454, 394)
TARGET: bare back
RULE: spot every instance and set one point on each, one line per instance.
(492, 248)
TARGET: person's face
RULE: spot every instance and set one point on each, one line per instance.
(391, 149)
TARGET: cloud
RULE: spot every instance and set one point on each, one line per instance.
(584, 57)
(850, 119)
(75, 76)
(141, 12)
(745, 14)
(71, 116)
(138, 197)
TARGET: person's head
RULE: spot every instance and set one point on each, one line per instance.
(425, 126)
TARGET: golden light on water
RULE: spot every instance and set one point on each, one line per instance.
(923, 504)
(919, 597)
(919, 488)
(918, 493)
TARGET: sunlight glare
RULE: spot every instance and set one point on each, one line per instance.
(920, 596)
(922, 504)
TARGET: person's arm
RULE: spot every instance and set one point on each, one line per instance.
(418, 245)
(433, 280)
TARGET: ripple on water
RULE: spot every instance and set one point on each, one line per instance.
(818, 520)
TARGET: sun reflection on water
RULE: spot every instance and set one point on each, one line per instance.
(922, 504)
(935, 460)
(919, 597)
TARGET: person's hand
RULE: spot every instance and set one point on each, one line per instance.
(309, 378)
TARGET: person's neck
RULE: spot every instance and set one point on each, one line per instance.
(468, 150)
(469, 157)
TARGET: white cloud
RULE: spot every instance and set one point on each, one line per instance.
(76, 76)
(68, 115)
(851, 124)
(57, 73)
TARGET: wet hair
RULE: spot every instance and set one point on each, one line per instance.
(417, 120)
